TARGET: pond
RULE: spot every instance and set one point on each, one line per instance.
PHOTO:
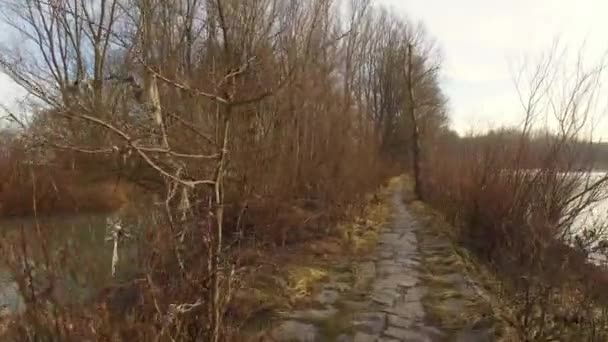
(83, 244)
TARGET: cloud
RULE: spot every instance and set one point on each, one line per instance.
(480, 38)
(11, 92)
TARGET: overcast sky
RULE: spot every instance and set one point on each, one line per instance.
(481, 38)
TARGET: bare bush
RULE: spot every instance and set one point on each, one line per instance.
(516, 194)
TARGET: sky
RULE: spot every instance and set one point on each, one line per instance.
(482, 40)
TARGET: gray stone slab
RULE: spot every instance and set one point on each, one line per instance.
(408, 310)
(293, 331)
(475, 336)
(398, 333)
(399, 322)
(327, 297)
(314, 314)
(386, 285)
(384, 297)
(363, 337)
(386, 255)
(433, 332)
(387, 270)
(388, 238)
(414, 294)
(337, 286)
(370, 322)
(344, 338)
(407, 335)
(353, 305)
(404, 279)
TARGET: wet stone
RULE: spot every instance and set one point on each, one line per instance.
(385, 254)
(405, 244)
(387, 263)
(475, 336)
(314, 315)
(344, 338)
(410, 254)
(432, 332)
(337, 286)
(399, 322)
(406, 335)
(292, 331)
(363, 337)
(354, 305)
(409, 263)
(406, 280)
(414, 294)
(389, 270)
(386, 285)
(384, 298)
(410, 236)
(408, 310)
(395, 332)
(327, 297)
(371, 322)
(388, 238)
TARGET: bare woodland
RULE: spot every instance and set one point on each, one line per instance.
(257, 124)
(248, 119)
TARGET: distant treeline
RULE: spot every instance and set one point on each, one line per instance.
(536, 148)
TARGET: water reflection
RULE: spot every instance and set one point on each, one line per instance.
(82, 249)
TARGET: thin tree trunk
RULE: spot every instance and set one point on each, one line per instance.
(415, 144)
(216, 316)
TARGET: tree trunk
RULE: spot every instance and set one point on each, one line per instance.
(415, 144)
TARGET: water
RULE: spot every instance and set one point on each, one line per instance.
(81, 247)
(597, 213)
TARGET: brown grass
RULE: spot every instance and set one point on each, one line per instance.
(287, 277)
(512, 220)
(62, 193)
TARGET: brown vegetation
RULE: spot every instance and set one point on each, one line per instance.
(44, 188)
(515, 199)
(258, 123)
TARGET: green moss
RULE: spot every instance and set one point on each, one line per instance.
(337, 325)
(445, 302)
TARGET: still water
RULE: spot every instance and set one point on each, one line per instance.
(81, 246)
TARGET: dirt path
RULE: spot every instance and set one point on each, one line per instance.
(391, 296)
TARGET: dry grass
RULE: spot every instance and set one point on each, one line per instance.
(61, 192)
(509, 230)
(301, 281)
(298, 269)
(445, 300)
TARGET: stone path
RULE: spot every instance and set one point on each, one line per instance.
(380, 301)
(396, 311)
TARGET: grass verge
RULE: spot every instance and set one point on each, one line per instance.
(460, 295)
(289, 278)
